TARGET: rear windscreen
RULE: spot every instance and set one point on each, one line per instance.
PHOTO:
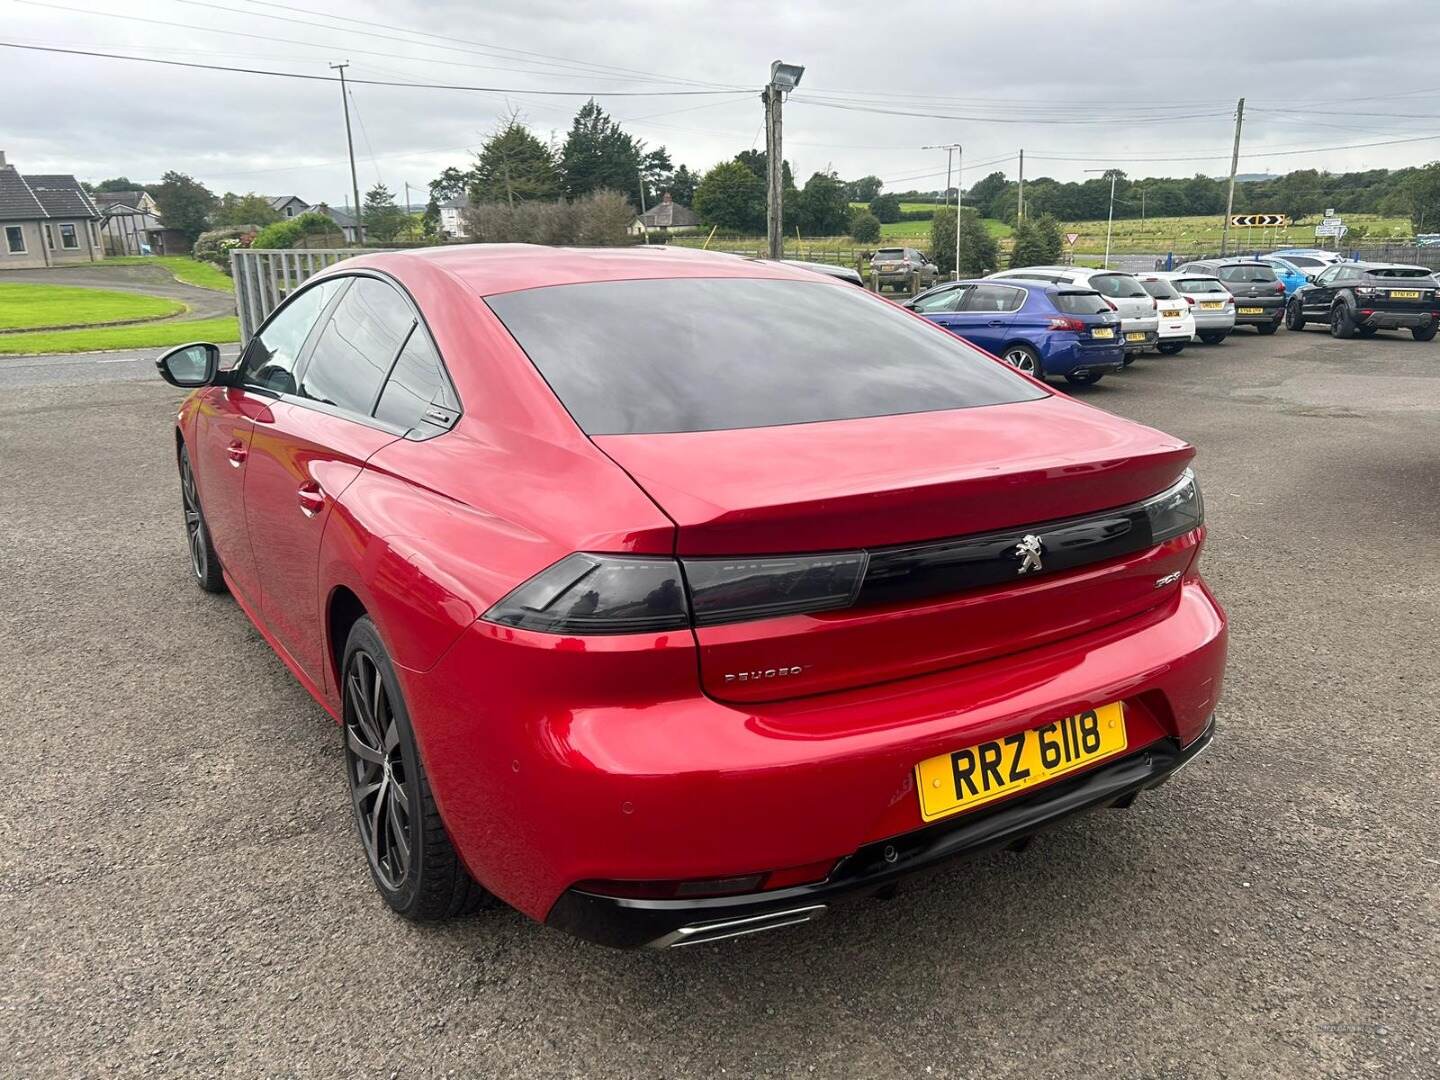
(1200, 285)
(1161, 290)
(1248, 273)
(1122, 286)
(890, 253)
(706, 354)
(1081, 303)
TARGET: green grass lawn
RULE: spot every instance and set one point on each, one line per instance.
(23, 307)
(154, 335)
(191, 271)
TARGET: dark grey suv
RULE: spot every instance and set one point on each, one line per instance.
(1259, 293)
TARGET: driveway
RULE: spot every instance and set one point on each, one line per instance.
(151, 280)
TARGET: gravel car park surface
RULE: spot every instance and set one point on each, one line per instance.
(182, 893)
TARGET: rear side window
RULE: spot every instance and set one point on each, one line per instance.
(1398, 272)
(357, 346)
(1200, 285)
(1081, 303)
(1122, 286)
(1248, 273)
(706, 354)
(993, 298)
(417, 391)
(1160, 289)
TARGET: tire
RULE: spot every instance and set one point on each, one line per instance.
(1294, 317)
(1214, 337)
(1023, 358)
(411, 859)
(1171, 348)
(1084, 378)
(1130, 358)
(1365, 331)
(204, 563)
(1341, 324)
(1266, 329)
(1424, 333)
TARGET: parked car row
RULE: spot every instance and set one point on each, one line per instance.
(1083, 323)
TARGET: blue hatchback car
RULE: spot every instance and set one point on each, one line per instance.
(1040, 328)
(1290, 275)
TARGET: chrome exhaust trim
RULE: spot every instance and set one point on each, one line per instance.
(699, 933)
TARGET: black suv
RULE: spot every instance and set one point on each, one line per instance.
(1356, 299)
(1259, 293)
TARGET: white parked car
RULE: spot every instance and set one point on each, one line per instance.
(1309, 260)
(1177, 320)
(1211, 303)
(1139, 314)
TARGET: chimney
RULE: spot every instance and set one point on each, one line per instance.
(2, 159)
(663, 198)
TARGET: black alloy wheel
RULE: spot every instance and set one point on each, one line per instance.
(1294, 317)
(204, 563)
(1341, 325)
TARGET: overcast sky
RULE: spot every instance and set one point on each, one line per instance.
(1162, 77)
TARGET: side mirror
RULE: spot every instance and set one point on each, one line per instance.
(1309, 277)
(189, 366)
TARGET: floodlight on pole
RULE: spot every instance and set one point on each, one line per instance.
(783, 78)
(1110, 224)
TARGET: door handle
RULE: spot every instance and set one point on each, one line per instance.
(311, 497)
(237, 453)
(997, 322)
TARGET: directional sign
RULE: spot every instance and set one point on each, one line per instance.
(1336, 228)
(1071, 237)
(1260, 221)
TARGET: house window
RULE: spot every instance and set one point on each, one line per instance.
(94, 236)
(14, 239)
(68, 239)
(49, 237)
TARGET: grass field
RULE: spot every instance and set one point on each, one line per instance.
(25, 307)
(191, 271)
(1188, 234)
(156, 335)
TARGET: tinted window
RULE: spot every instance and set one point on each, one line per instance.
(1303, 261)
(1398, 272)
(992, 298)
(948, 300)
(703, 354)
(1160, 289)
(1248, 272)
(890, 254)
(271, 355)
(1081, 303)
(357, 346)
(1118, 285)
(1200, 285)
(416, 384)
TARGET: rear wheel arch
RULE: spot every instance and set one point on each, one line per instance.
(342, 611)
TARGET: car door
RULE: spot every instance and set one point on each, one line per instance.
(941, 306)
(1320, 293)
(225, 424)
(321, 437)
(985, 314)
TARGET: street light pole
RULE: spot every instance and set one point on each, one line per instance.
(783, 78)
(350, 143)
(953, 148)
(1109, 224)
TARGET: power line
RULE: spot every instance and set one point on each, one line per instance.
(1003, 120)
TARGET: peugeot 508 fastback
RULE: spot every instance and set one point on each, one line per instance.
(672, 596)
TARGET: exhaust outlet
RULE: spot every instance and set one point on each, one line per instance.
(699, 933)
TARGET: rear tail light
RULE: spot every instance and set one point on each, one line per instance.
(1061, 322)
(1176, 511)
(1279, 286)
(598, 594)
(1154, 304)
(1190, 300)
(729, 590)
(1109, 304)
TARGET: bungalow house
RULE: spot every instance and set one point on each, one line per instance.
(665, 217)
(287, 206)
(45, 220)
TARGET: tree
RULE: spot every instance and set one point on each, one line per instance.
(1420, 194)
(119, 183)
(732, 197)
(886, 208)
(978, 253)
(598, 154)
(1037, 242)
(864, 226)
(656, 174)
(248, 209)
(682, 186)
(184, 204)
(513, 166)
(821, 208)
(382, 218)
(865, 189)
(450, 184)
(984, 192)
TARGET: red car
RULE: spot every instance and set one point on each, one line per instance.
(672, 596)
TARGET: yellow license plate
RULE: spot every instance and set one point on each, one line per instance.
(964, 779)
(1251, 310)
(1171, 314)
(1136, 335)
(1404, 294)
(1102, 332)
(1212, 305)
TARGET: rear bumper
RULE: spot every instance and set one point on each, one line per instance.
(1272, 311)
(1069, 357)
(628, 923)
(1182, 329)
(1151, 336)
(1396, 320)
(1209, 321)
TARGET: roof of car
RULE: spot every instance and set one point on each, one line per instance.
(487, 269)
(1368, 266)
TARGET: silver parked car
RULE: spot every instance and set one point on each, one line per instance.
(1212, 304)
(1139, 314)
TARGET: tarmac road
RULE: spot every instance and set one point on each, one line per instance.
(181, 893)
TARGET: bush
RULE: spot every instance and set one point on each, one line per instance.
(215, 245)
(978, 253)
(917, 215)
(886, 208)
(599, 219)
(300, 231)
(1037, 242)
(864, 227)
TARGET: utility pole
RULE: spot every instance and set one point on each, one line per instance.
(1234, 165)
(783, 78)
(641, 174)
(955, 149)
(1110, 224)
(1020, 203)
(350, 143)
